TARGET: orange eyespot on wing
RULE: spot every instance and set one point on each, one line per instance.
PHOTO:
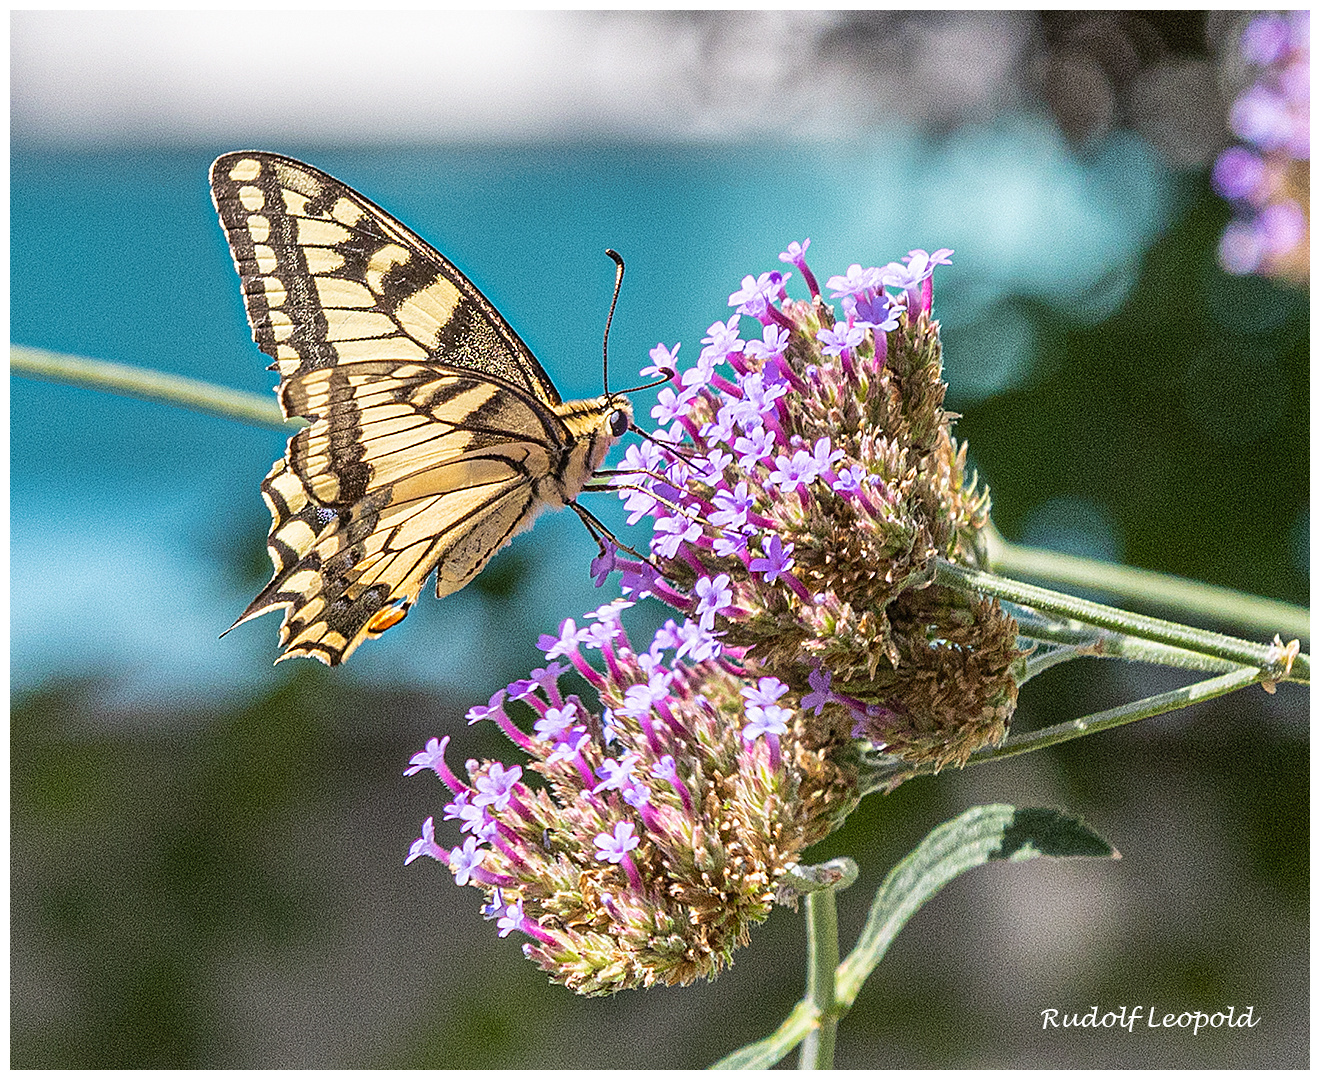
(383, 620)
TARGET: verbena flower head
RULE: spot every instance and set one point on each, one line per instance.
(1267, 175)
(661, 824)
(802, 483)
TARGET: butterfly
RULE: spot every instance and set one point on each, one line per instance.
(434, 435)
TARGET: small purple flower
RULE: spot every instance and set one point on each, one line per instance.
(1265, 39)
(614, 847)
(493, 908)
(774, 339)
(599, 635)
(921, 264)
(766, 720)
(604, 564)
(510, 919)
(696, 643)
(699, 374)
(722, 338)
(756, 294)
(462, 861)
(564, 645)
(433, 757)
(819, 680)
(730, 544)
(788, 472)
(670, 406)
(731, 507)
(639, 503)
(641, 462)
(492, 710)
(616, 773)
(795, 252)
(556, 722)
(426, 845)
(663, 361)
(1238, 173)
(840, 337)
(1262, 117)
(713, 466)
(521, 689)
(849, 478)
(1240, 250)
(665, 638)
(877, 311)
(855, 282)
(472, 819)
(914, 277)
(767, 691)
(823, 455)
(570, 746)
(777, 560)
(720, 430)
(713, 595)
(495, 788)
(610, 612)
(797, 255)
(754, 447)
(639, 579)
(761, 395)
(640, 698)
(636, 795)
(1281, 226)
(672, 531)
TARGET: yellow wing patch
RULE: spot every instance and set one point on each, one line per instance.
(434, 435)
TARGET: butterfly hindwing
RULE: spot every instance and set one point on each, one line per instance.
(434, 435)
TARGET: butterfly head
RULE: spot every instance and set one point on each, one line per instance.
(619, 415)
(615, 417)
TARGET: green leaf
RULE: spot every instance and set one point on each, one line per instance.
(974, 837)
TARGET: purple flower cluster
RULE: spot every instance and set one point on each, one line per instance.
(801, 478)
(802, 484)
(719, 429)
(1266, 176)
(665, 820)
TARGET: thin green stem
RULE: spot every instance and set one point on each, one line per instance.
(1107, 646)
(138, 382)
(889, 775)
(817, 1050)
(773, 1048)
(1159, 631)
(1173, 594)
(814, 1020)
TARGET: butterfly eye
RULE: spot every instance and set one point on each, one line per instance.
(618, 423)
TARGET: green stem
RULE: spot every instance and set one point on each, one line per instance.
(815, 1018)
(259, 409)
(1174, 594)
(1107, 646)
(889, 775)
(817, 1050)
(1159, 631)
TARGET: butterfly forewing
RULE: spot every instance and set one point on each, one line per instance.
(434, 435)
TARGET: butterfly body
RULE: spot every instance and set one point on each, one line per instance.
(434, 436)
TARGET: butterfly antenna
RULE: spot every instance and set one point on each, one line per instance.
(618, 282)
(605, 346)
